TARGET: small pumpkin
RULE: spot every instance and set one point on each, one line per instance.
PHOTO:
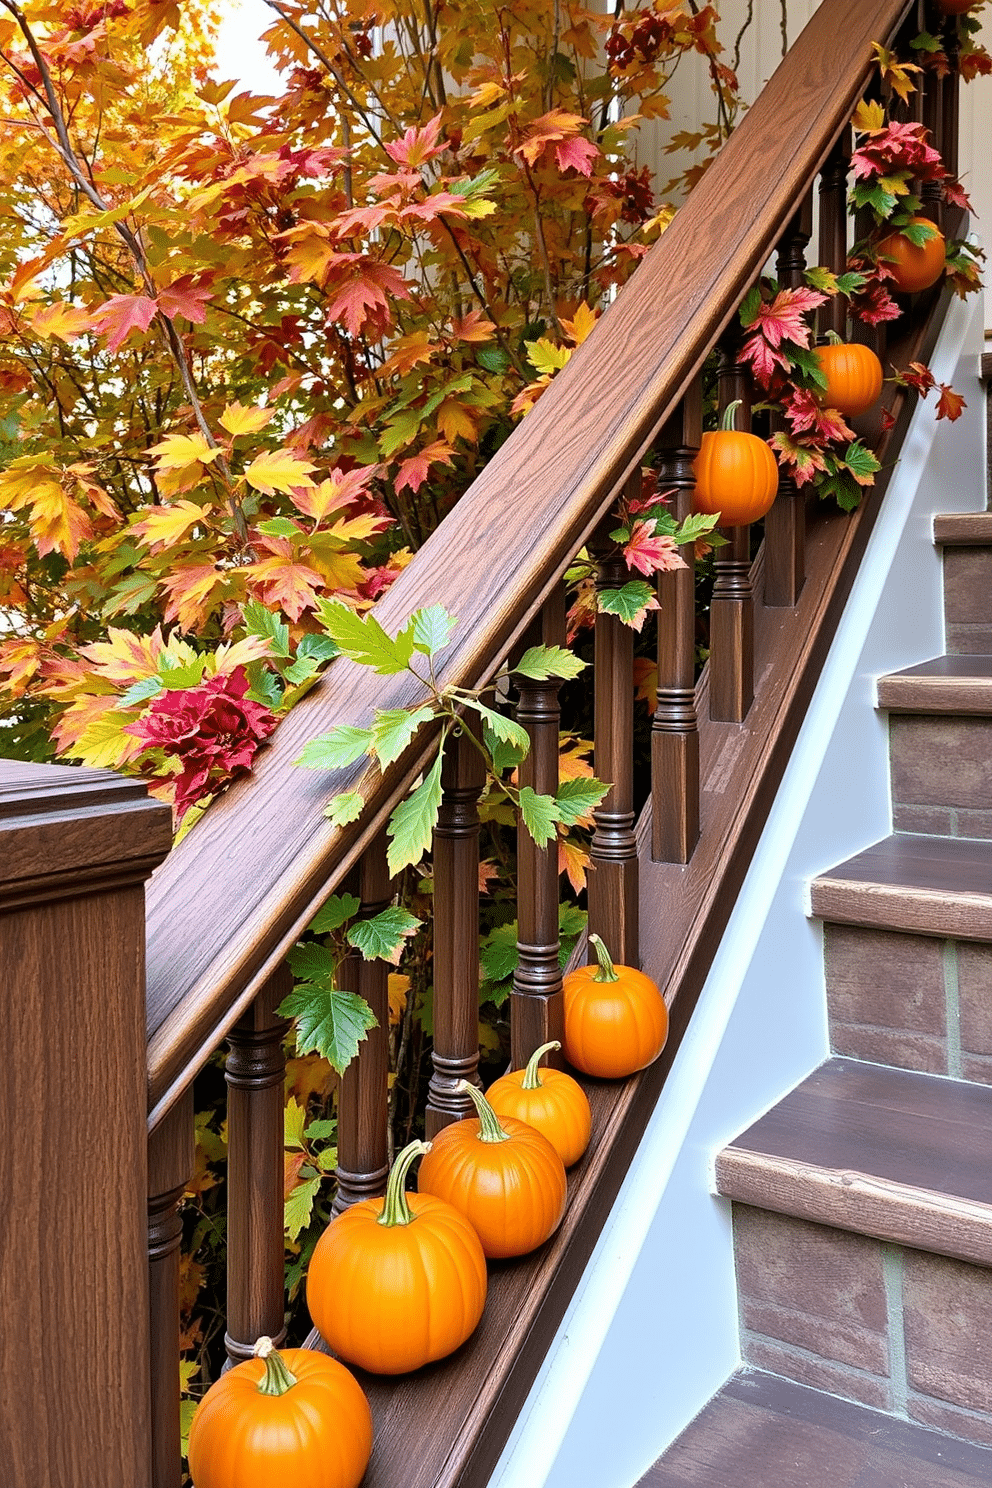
(549, 1100)
(854, 376)
(282, 1420)
(616, 1021)
(505, 1177)
(955, 7)
(395, 1283)
(913, 268)
(736, 474)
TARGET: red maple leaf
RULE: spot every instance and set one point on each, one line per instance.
(413, 472)
(950, 404)
(364, 298)
(185, 298)
(806, 414)
(782, 320)
(802, 461)
(917, 375)
(576, 154)
(123, 314)
(649, 553)
(417, 145)
(764, 359)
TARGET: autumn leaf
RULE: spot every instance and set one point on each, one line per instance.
(60, 319)
(279, 470)
(413, 472)
(950, 405)
(181, 451)
(185, 297)
(549, 129)
(576, 154)
(121, 315)
(163, 526)
(238, 420)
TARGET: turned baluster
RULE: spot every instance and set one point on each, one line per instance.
(171, 1159)
(785, 524)
(612, 881)
(255, 1071)
(536, 1012)
(674, 730)
(832, 316)
(732, 604)
(363, 1093)
(946, 132)
(456, 932)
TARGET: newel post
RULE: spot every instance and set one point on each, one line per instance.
(75, 849)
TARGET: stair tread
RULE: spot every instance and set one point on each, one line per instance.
(773, 1433)
(926, 885)
(963, 529)
(945, 684)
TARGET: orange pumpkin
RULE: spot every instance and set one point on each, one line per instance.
(955, 7)
(506, 1178)
(854, 376)
(279, 1421)
(914, 268)
(736, 474)
(616, 1021)
(548, 1100)
(395, 1283)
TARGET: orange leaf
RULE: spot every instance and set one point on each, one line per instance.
(413, 472)
(951, 404)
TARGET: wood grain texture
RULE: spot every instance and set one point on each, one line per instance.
(927, 885)
(793, 1437)
(171, 1160)
(947, 684)
(890, 1153)
(225, 909)
(963, 529)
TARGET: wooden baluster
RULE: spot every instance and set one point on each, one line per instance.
(931, 91)
(832, 316)
(456, 932)
(363, 1094)
(947, 129)
(536, 1012)
(171, 1159)
(613, 873)
(255, 1073)
(785, 524)
(732, 604)
(674, 731)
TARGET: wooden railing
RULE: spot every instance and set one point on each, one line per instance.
(225, 906)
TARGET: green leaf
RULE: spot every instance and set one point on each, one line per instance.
(327, 1160)
(179, 678)
(321, 648)
(302, 669)
(926, 42)
(505, 730)
(280, 527)
(807, 362)
(294, 1120)
(412, 823)
(310, 962)
(432, 629)
(541, 662)
(140, 692)
(262, 622)
(571, 921)
(299, 1207)
(504, 756)
(334, 913)
(750, 305)
(344, 808)
(393, 729)
(333, 751)
(493, 359)
(850, 283)
(628, 602)
(362, 638)
(329, 1021)
(265, 685)
(861, 462)
(540, 815)
(919, 232)
(576, 798)
(320, 1131)
(383, 936)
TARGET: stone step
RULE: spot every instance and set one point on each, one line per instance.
(771, 1433)
(924, 885)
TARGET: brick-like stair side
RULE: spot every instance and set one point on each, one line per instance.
(966, 539)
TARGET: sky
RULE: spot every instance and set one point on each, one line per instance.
(240, 53)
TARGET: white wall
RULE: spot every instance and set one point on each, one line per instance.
(652, 1331)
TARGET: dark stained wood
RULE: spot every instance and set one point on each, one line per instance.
(732, 602)
(675, 728)
(229, 903)
(171, 1160)
(927, 885)
(612, 880)
(455, 1051)
(772, 1433)
(255, 1072)
(887, 1152)
(363, 1118)
(74, 1353)
(833, 231)
(536, 1008)
(785, 524)
(947, 684)
(947, 136)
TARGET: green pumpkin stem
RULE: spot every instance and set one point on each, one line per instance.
(277, 1379)
(832, 338)
(489, 1127)
(396, 1208)
(531, 1079)
(727, 422)
(607, 971)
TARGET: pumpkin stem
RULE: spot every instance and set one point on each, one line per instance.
(531, 1079)
(727, 422)
(396, 1208)
(833, 339)
(489, 1127)
(607, 971)
(277, 1379)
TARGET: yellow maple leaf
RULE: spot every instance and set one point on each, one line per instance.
(165, 525)
(180, 451)
(60, 319)
(868, 115)
(104, 745)
(399, 991)
(545, 357)
(278, 470)
(454, 419)
(57, 522)
(125, 657)
(239, 420)
(581, 323)
(339, 570)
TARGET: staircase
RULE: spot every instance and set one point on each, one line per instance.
(862, 1201)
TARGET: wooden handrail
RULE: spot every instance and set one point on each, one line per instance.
(235, 894)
